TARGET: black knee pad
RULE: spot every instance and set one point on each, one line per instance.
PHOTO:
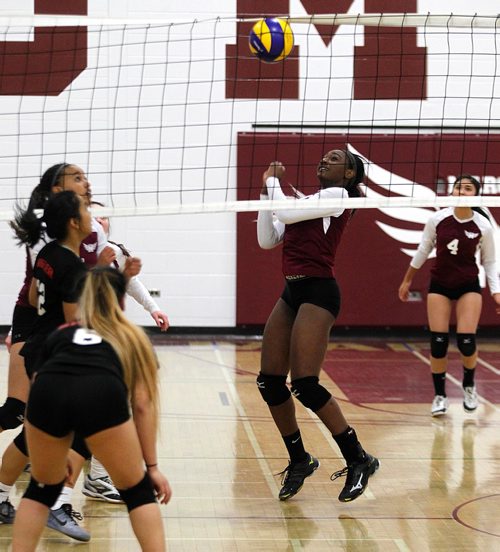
(12, 413)
(273, 389)
(466, 344)
(20, 442)
(138, 495)
(45, 494)
(310, 393)
(439, 344)
(79, 446)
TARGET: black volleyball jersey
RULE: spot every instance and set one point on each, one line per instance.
(58, 271)
(74, 350)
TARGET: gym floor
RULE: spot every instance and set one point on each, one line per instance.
(438, 488)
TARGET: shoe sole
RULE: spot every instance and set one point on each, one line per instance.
(469, 410)
(100, 497)
(59, 530)
(372, 472)
(438, 413)
(283, 498)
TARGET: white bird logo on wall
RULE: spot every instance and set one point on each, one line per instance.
(419, 215)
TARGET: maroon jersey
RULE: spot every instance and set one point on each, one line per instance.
(310, 246)
(457, 242)
(88, 250)
(22, 298)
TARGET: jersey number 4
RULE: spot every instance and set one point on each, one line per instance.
(453, 246)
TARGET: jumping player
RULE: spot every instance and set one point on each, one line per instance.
(297, 332)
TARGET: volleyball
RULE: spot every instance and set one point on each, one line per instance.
(271, 39)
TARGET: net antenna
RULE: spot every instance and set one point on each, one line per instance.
(169, 116)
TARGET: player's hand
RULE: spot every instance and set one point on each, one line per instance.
(160, 485)
(276, 169)
(133, 266)
(161, 320)
(404, 291)
(106, 256)
(496, 298)
(8, 342)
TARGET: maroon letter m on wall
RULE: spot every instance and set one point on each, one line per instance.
(49, 63)
(390, 64)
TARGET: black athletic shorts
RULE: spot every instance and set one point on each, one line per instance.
(455, 293)
(322, 292)
(23, 321)
(86, 404)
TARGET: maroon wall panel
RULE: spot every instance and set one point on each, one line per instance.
(49, 63)
(370, 264)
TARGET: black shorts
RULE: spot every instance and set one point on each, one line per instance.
(322, 292)
(61, 403)
(31, 351)
(455, 293)
(23, 321)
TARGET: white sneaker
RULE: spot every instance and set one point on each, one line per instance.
(439, 405)
(470, 399)
(101, 488)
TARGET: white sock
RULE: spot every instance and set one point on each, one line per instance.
(97, 470)
(64, 498)
(4, 492)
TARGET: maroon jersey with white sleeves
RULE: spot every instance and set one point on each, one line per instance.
(309, 246)
(457, 242)
(310, 236)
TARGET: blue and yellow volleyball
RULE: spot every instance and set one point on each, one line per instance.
(271, 39)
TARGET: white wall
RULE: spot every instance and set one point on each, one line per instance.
(192, 259)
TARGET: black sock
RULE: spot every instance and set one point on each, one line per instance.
(439, 383)
(295, 447)
(350, 447)
(468, 380)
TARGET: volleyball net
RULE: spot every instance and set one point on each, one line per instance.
(179, 117)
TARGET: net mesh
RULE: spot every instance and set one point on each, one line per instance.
(180, 117)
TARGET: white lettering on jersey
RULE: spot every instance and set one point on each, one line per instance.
(83, 336)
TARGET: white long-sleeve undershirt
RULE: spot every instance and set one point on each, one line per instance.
(271, 226)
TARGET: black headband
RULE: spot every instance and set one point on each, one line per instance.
(352, 160)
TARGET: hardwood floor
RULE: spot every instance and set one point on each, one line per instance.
(438, 488)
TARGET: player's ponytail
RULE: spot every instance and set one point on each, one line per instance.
(27, 223)
(353, 186)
